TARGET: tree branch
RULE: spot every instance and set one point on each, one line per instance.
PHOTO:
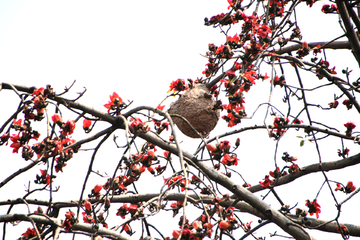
(318, 167)
(89, 228)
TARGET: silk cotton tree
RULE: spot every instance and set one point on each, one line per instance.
(221, 190)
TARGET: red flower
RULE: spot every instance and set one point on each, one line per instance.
(197, 225)
(178, 85)
(4, 138)
(224, 146)
(294, 168)
(30, 232)
(263, 31)
(115, 101)
(59, 166)
(350, 126)
(334, 104)
(122, 211)
(349, 187)
(348, 103)
(297, 121)
(127, 229)
(69, 220)
(314, 207)
(210, 147)
(38, 91)
(276, 173)
(326, 8)
(247, 226)
(138, 125)
(224, 51)
(230, 74)
(87, 205)
(133, 208)
(230, 160)
(176, 234)
(56, 118)
(235, 39)
(68, 128)
(224, 225)
(97, 188)
(339, 187)
(86, 125)
(151, 170)
(16, 143)
(266, 183)
(160, 107)
(344, 231)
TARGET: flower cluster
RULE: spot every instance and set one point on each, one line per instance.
(22, 137)
(126, 209)
(324, 65)
(326, 8)
(70, 220)
(279, 122)
(222, 151)
(176, 181)
(197, 231)
(350, 187)
(119, 184)
(137, 125)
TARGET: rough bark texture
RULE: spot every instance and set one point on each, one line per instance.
(196, 106)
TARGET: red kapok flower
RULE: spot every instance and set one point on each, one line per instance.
(349, 187)
(69, 220)
(97, 188)
(176, 234)
(127, 229)
(230, 160)
(224, 145)
(87, 205)
(314, 207)
(267, 182)
(224, 224)
(160, 107)
(38, 91)
(115, 101)
(339, 187)
(122, 211)
(68, 128)
(56, 118)
(348, 104)
(343, 230)
(349, 127)
(197, 225)
(210, 147)
(276, 173)
(86, 124)
(30, 232)
(178, 85)
(138, 125)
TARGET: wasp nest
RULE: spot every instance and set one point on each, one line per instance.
(197, 106)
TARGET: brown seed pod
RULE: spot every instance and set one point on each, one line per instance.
(196, 106)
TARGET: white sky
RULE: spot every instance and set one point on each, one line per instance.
(135, 48)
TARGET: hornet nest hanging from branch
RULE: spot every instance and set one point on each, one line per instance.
(197, 106)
